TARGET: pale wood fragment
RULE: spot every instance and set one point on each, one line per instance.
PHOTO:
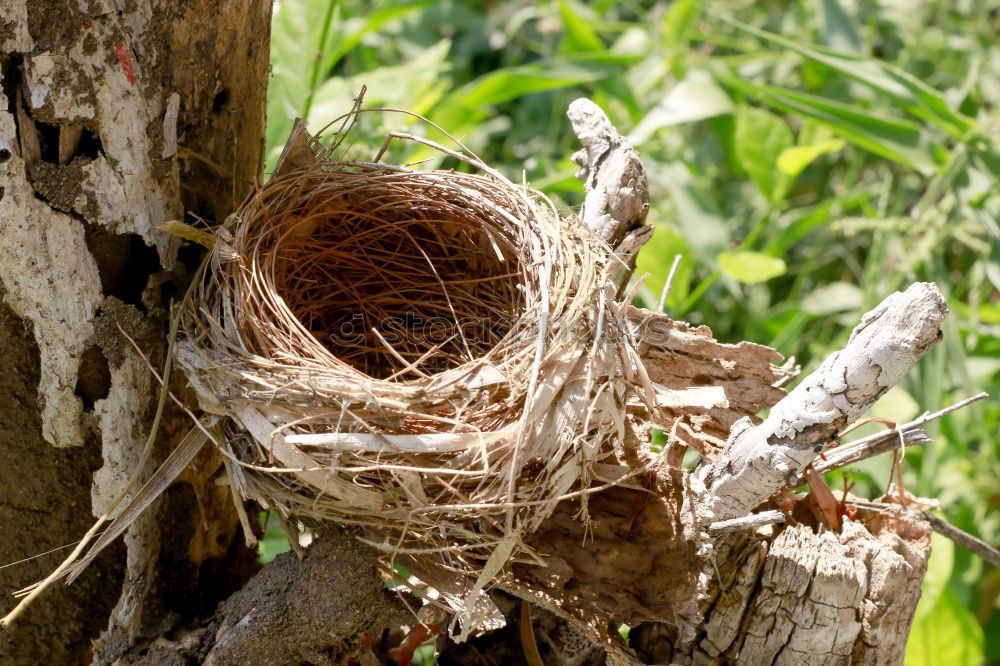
(759, 460)
(678, 356)
(617, 198)
(749, 522)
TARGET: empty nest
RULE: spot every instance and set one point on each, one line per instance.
(437, 356)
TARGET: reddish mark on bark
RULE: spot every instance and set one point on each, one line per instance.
(125, 58)
(88, 26)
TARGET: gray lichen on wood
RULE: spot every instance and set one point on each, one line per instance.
(617, 199)
(760, 459)
(48, 272)
(49, 278)
(100, 96)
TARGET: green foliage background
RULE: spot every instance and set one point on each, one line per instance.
(805, 159)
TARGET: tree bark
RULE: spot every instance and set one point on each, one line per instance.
(114, 118)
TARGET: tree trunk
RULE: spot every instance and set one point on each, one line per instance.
(114, 118)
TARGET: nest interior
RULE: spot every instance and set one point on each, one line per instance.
(399, 282)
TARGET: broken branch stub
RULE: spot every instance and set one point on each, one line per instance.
(617, 197)
(759, 460)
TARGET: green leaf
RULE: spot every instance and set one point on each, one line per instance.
(677, 21)
(750, 267)
(503, 85)
(698, 215)
(308, 37)
(412, 85)
(274, 542)
(832, 298)
(898, 140)
(579, 36)
(907, 91)
(793, 161)
(760, 137)
(838, 28)
(896, 405)
(947, 634)
(299, 32)
(695, 98)
(938, 574)
(656, 258)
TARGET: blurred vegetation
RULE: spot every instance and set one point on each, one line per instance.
(805, 158)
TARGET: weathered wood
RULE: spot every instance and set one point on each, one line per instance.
(325, 608)
(617, 199)
(806, 597)
(98, 103)
(677, 355)
(759, 460)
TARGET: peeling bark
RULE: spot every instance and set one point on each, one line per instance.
(113, 120)
(759, 460)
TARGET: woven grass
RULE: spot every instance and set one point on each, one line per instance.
(437, 356)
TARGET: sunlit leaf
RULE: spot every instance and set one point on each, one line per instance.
(503, 85)
(308, 37)
(898, 140)
(896, 405)
(579, 36)
(838, 28)
(300, 30)
(832, 298)
(695, 98)
(656, 258)
(947, 634)
(938, 573)
(760, 138)
(751, 267)
(411, 85)
(697, 212)
(677, 21)
(793, 161)
(907, 91)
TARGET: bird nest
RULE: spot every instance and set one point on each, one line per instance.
(434, 355)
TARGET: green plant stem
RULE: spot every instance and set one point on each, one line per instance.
(315, 72)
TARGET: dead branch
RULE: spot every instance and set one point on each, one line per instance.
(759, 460)
(617, 194)
(883, 442)
(964, 539)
